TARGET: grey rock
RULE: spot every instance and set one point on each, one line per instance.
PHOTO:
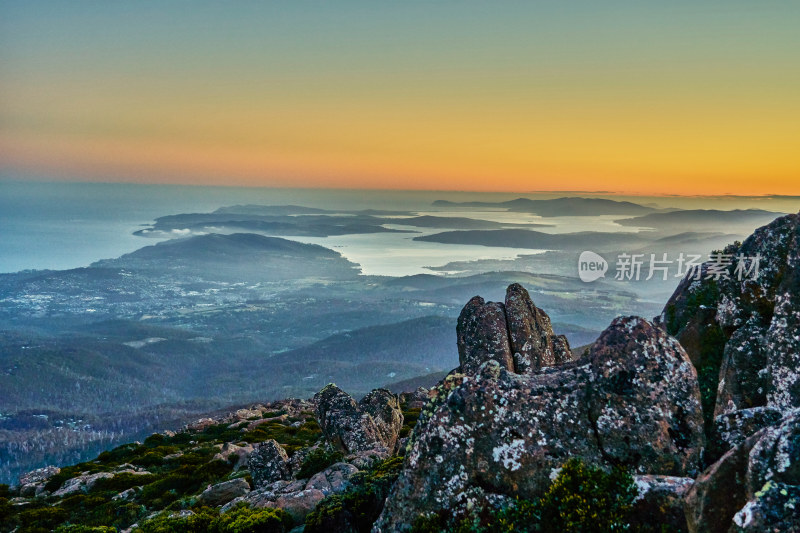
(32, 483)
(660, 501)
(384, 409)
(268, 463)
(755, 486)
(533, 343)
(333, 479)
(482, 335)
(498, 434)
(416, 399)
(39, 475)
(222, 493)
(299, 504)
(241, 453)
(352, 427)
(748, 324)
(82, 483)
(731, 429)
(645, 399)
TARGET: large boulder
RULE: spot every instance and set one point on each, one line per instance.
(373, 423)
(645, 402)
(497, 434)
(755, 486)
(333, 479)
(384, 409)
(739, 328)
(416, 399)
(268, 463)
(230, 450)
(82, 483)
(222, 493)
(298, 497)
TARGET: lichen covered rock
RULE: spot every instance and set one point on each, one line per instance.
(754, 485)
(482, 335)
(497, 434)
(516, 334)
(533, 343)
(645, 402)
(268, 463)
(659, 500)
(222, 493)
(373, 423)
(741, 329)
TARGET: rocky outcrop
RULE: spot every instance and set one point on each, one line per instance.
(754, 485)
(299, 497)
(268, 462)
(82, 483)
(482, 335)
(731, 429)
(516, 334)
(530, 333)
(644, 400)
(230, 450)
(384, 409)
(498, 434)
(32, 483)
(333, 479)
(371, 425)
(222, 493)
(416, 399)
(740, 330)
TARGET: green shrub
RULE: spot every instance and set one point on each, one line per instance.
(357, 508)
(246, 520)
(202, 522)
(585, 498)
(318, 460)
(155, 440)
(184, 481)
(582, 498)
(123, 481)
(43, 519)
(239, 520)
(410, 417)
(5, 512)
(77, 528)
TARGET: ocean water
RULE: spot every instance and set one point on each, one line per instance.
(68, 225)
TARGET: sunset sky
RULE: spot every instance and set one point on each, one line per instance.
(637, 97)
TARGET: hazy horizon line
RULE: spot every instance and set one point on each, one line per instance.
(722, 195)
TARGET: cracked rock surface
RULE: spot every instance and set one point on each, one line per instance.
(371, 425)
(516, 334)
(498, 434)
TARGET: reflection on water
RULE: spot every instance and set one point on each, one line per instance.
(396, 254)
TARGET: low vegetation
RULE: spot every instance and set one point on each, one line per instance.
(162, 474)
(581, 498)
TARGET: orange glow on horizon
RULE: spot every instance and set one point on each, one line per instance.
(645, 99)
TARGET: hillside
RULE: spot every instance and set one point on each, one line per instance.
(559, 207)
(640, 431)
(238, 256)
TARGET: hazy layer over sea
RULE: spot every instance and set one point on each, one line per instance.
(67, 225)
